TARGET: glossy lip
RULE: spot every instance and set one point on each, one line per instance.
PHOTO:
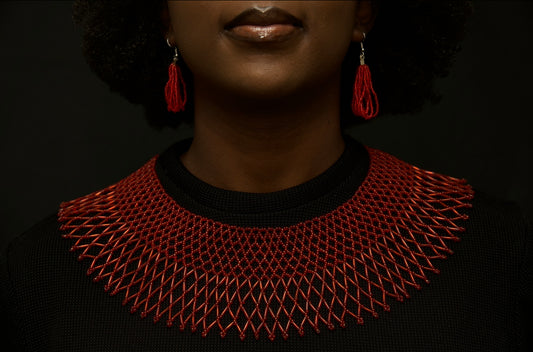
(263, 25)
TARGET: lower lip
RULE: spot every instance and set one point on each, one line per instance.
(264, 34)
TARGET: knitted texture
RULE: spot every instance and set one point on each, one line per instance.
(332, 270)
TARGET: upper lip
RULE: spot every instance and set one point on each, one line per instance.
(257, 17)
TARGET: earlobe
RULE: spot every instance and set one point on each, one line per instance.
(168, 31)
(358, 35)
(365, 15)
(170, 37)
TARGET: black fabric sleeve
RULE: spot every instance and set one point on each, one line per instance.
(20, 327)
(525, 300)
(11, 339)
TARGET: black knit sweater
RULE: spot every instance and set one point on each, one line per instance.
(480, 300)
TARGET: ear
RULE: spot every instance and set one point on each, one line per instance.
(166, 23)
(365, 16)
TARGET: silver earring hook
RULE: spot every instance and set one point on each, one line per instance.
(362, 54)
(176, 56)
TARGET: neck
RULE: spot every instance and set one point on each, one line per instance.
(257, 146)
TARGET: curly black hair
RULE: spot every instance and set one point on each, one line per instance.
(412, 43)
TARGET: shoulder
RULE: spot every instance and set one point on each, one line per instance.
(499, 238)
(25, 281)
(31, 247)
(30, 260)
(500, 221)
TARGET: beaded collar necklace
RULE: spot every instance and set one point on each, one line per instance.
(331, 270)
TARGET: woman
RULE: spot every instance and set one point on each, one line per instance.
(271, 223)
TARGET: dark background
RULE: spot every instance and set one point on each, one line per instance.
(63, 134)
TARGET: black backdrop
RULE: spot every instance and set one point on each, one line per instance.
(63, 134)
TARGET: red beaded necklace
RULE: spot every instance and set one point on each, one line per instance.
(331, 270)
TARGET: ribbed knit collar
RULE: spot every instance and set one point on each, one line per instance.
(283, 208)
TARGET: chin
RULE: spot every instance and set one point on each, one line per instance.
(268, 83)
(267, 91)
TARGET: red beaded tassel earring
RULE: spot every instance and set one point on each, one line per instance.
(175, 92)
(364, 101)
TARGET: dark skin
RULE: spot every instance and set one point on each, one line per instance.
(267, 115)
